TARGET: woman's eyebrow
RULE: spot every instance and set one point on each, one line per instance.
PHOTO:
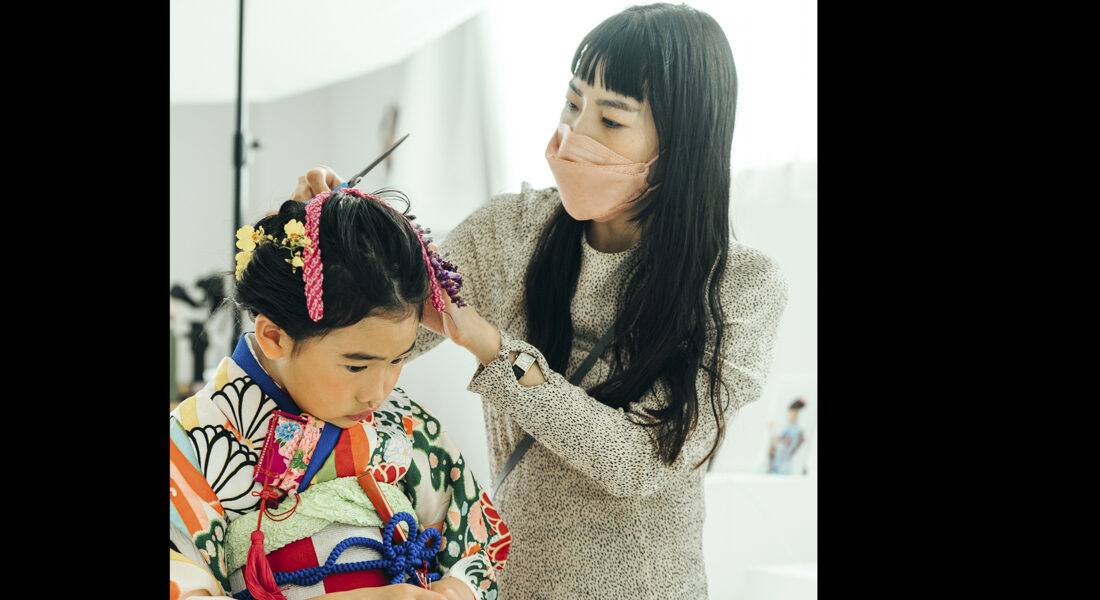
(619, 104)
(362, 356)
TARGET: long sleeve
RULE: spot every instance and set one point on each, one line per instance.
(446, 496)
(197, 525)
(594, 438)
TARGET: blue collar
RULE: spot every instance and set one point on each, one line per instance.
(242, 355)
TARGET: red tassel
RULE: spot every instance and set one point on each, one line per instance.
(257, 571)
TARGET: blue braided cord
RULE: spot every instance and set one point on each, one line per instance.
(398, 560)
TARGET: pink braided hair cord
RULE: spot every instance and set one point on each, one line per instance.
(312, 269)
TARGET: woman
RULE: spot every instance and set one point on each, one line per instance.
(607, 501)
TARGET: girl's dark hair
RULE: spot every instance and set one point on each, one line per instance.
(679, 60)
(372, 266)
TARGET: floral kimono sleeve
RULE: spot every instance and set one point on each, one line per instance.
(198, 525)
(446, 495)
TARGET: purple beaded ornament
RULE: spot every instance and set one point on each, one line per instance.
(446, 274)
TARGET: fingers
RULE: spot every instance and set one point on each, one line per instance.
(430, 318)
(322, 178)
(316, 180)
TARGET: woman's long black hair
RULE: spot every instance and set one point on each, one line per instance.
(371, 259)
(679, 60)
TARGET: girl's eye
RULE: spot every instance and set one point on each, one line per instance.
(570, 106)
(355, 369)
(611, 124)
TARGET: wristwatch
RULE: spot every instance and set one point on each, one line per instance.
(523, 362)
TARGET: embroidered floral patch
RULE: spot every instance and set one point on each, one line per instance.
(288, 449)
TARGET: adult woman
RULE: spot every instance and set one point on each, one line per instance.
(608, 500)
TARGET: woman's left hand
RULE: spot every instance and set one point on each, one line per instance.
(465, 327)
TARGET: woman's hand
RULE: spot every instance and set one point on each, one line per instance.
(400, 591)
(471, 331)
(316, 180)
(465, 327)
(452, 588)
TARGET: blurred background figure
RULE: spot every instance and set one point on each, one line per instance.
(787, 442)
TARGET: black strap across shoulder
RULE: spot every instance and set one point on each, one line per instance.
(574, 379)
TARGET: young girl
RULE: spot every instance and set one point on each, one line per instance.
(300, 471)
(633, 248)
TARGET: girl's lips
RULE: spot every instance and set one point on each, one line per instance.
(361, 416)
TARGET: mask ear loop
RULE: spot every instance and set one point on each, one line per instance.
(649, 188)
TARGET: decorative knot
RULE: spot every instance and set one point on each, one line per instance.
(399, 559)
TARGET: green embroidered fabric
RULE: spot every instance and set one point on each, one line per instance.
(339, 500)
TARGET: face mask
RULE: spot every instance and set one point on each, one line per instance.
(595, 183)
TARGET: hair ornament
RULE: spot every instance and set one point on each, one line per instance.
(442, 275)
(302, 240)
(248, 238)
(312, 270)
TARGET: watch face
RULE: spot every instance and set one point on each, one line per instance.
(524, 361)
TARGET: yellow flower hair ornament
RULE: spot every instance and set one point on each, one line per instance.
(248, 238)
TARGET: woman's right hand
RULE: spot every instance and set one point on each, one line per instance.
(316, 180)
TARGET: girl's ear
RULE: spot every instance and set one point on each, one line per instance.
(274, 342)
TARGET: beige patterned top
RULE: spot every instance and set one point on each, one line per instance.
(593, 511)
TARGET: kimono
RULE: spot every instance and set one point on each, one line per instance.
(218, 437)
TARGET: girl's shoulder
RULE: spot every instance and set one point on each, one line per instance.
(401, 411)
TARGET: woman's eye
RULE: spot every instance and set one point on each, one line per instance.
(611, 124)
(569, 106)
(355, 369)
(398, 361)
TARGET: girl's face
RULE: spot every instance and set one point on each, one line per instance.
(343, 377)
(619, 122)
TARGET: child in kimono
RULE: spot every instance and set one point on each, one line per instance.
(300, 471)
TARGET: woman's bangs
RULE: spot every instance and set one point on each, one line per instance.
(621, 57)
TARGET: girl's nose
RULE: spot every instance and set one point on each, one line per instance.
(373, 391)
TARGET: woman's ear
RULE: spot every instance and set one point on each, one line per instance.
(274, 342)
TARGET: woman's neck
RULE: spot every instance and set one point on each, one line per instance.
(616, 235)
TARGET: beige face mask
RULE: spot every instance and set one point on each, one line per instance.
(595, 182)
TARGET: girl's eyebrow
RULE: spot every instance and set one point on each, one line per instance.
(619, 104)
(362, 356)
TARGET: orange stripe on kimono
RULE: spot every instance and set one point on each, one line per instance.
(190, 492)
